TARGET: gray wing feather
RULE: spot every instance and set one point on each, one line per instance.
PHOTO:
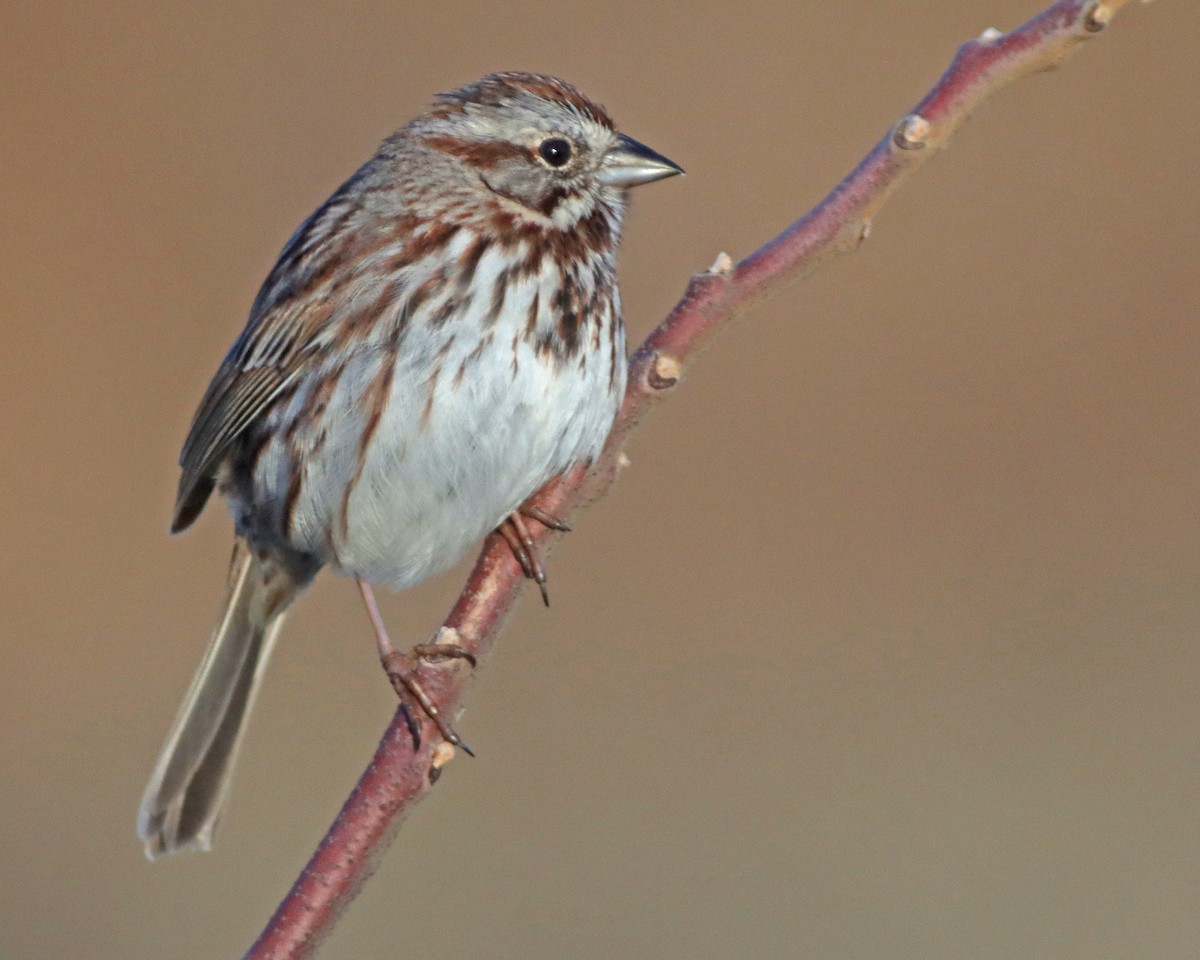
(274, 349)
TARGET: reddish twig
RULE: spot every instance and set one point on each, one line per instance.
(398, 776)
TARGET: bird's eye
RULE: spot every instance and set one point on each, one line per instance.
(555, 151)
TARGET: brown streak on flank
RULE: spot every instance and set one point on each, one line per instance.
(398, 329)
(468, 263)
(375, 400)
(446, 312)
(444, 349)
(483, 155)
(534, 310)
(423, 292)
(318, 401)
(499, 292)
(484, 343)
(431, 381)
(516, 362)
(471, 357)
(598, 306)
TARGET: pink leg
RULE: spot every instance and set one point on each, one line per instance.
(402, 668)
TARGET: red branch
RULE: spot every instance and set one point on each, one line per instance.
(397, 776)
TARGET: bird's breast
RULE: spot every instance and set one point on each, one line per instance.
(411, 448)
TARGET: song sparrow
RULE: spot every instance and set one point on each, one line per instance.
(438, 340)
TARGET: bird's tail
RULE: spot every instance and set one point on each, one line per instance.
(190, 783)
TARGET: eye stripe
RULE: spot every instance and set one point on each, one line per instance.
(482, 154)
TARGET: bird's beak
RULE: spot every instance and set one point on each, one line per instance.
(629, 163)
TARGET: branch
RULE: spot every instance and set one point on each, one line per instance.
(398, 777)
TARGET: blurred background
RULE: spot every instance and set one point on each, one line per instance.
(885, 645)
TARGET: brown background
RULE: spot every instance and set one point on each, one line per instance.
(886, 646)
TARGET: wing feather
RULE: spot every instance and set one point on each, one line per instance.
(274, 349)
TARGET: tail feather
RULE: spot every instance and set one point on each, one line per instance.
(187, 791)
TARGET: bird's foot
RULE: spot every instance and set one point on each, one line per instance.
(515, 530)
(403, 670)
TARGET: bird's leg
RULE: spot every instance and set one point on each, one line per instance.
(402, 668)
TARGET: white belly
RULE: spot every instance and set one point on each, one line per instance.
(466, 433)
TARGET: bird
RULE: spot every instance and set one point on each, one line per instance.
(438, 341)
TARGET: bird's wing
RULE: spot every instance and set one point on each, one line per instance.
(276, 347)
